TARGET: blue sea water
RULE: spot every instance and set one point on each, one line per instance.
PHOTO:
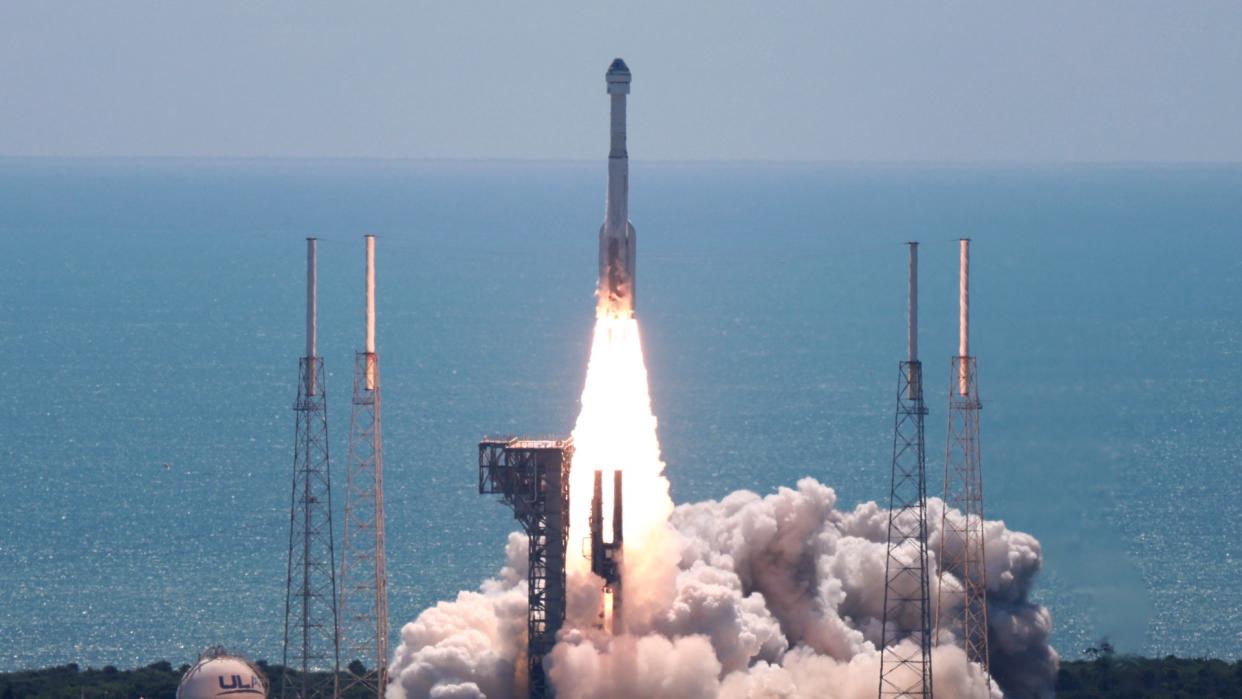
(151, 313)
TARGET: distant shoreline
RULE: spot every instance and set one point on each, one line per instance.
(1105, 677)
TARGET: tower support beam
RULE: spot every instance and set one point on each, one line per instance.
(532, 477)
(364, 575)
(905, 660)
(962, 608)
(311, 640)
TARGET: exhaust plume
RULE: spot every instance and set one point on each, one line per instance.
(746, 597)
(773, 596)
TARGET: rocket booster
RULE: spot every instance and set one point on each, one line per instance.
(617, 239)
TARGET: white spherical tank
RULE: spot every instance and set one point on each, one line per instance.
(221, 674)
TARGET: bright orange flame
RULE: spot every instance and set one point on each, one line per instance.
(617, 430)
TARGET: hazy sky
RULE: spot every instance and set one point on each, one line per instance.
(939, 81)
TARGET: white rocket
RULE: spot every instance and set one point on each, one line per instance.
(617, 239)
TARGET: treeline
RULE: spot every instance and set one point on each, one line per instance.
(156, 681)
(1106, 676)
(1125, 677)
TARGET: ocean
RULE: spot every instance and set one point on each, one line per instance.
(151, 320)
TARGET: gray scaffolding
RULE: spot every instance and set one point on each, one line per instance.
(906, 670)
(311, 641)
(962, 609)
(532, 477)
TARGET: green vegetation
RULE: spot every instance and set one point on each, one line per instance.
(155, 681)
(1104, 675)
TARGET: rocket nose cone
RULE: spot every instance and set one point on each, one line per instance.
(618, 69)
(618, 78)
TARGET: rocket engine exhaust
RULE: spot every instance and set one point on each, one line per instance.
(617, 239)
(748, 596)
(606, 557)
(612, 409)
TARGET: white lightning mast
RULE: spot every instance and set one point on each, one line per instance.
(962, 606)
(905, 651)
(364, 576)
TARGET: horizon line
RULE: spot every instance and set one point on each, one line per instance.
(657, 161)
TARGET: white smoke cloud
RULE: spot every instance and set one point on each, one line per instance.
(472, 647)
(776, 596)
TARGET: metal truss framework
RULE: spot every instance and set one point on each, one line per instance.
(311, 640)
(906, 670)
(532, 477)
(962, 541)
(364, 577)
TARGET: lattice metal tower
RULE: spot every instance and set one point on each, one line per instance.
(905, 668)
(963, 609)
(364, 576)
(311, 639)
(532, 476)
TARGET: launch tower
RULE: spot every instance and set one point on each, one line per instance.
(606, 556)
(961, 538)
(311, 634)
(905, 660)
(364, 576)
(532, 477)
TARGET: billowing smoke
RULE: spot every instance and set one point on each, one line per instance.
(776, 596)
(470, 647)
(748, 597)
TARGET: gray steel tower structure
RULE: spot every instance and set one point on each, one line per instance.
(311, 634)
(364, 576)
(532, 477)
(905, 659)
(962, 544)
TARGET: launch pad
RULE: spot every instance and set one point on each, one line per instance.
(532, 477)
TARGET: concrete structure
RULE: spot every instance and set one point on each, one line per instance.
(617, 239)
(532, 477)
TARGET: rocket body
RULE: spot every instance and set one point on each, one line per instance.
(617, 239)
